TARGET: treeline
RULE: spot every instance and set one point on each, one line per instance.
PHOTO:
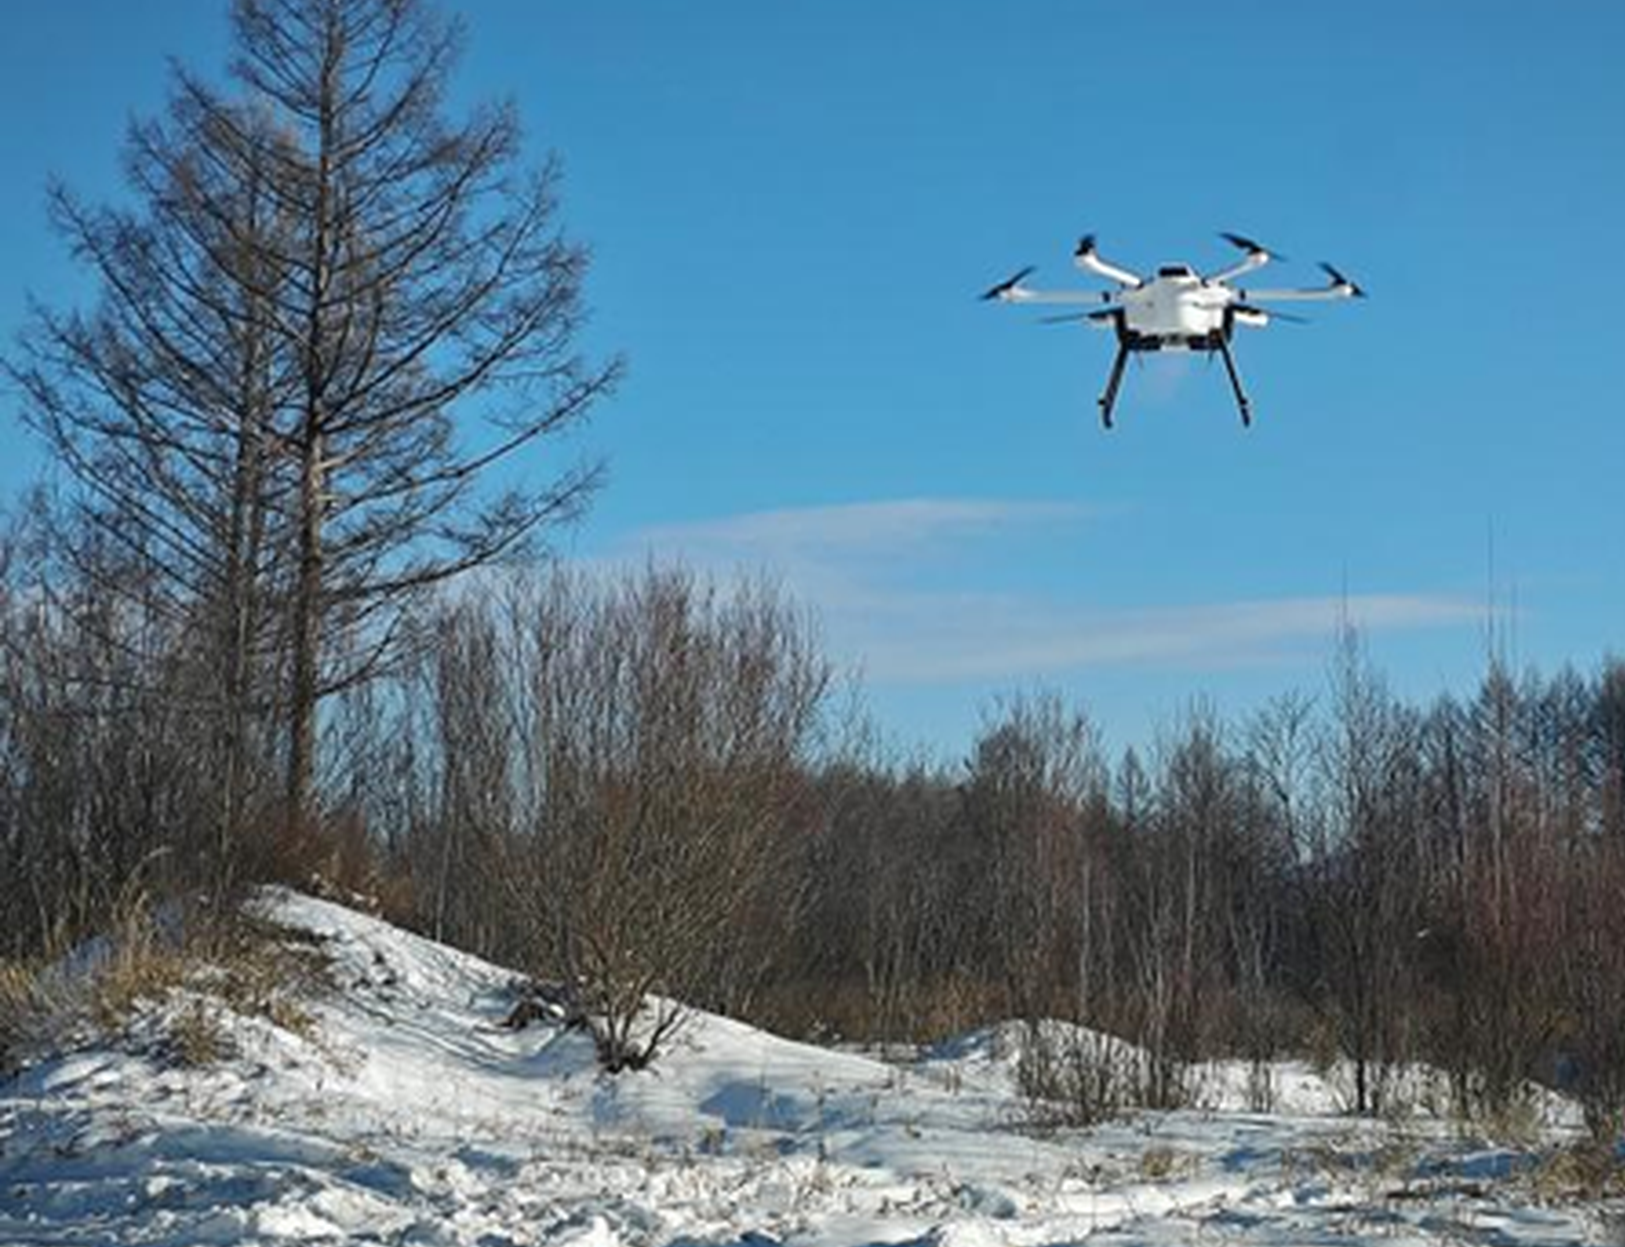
(657, 799)
(271, 627)
(647, 783)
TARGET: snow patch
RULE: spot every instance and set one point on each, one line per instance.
(408, 1114)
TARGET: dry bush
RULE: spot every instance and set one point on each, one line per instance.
(818, 1011)
(618, 791)
(922, 1012)
(934, 1008)
(1075, 1078)
(1517, 1120)
(1591, 1036)
(329, 856)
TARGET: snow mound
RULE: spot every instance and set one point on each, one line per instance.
(404, 1112)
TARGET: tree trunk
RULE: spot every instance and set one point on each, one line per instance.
(307, 615)
(308, 591)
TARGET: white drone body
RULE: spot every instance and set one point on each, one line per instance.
(1177, 310)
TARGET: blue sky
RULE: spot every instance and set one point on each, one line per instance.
(793, 207)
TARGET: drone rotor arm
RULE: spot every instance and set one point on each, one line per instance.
(1111, 272)
(1255, 255)
(1318, 294)
(1069, 298)
(1339, 287)
(1088, 259)
(1249, 263)
(1340, 283)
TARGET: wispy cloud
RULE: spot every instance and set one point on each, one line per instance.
(856, 530)
(860, 566)
(936, 638)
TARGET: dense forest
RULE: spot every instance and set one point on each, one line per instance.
(278, 622)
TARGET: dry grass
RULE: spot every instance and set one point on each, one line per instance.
(1517, 1122)
(231, 962)
(16, 1010)
(55, 1004)
(142, 965)
(1160, 1162)
(1586, 1171)
(196, 1036)
(259, 969)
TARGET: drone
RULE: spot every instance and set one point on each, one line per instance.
(1177, 310)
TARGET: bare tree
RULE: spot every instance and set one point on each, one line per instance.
(334, 320)
(622, 800)
(1033, 773)
(161, 405)
(1608, 746)
(105, 788)
(429, 274)
(1267, 926)
(1367, 876)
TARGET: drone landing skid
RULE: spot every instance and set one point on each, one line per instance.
(1109, 398)
(1243, 405)
(1221, 344)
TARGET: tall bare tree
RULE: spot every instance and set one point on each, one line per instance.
(161, 403)
(1368, 885)
(1032, 778)
(333, 320)
(429, 278)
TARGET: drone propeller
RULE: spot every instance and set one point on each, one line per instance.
(1250, 246)
(1338, 280)
(1009, 284)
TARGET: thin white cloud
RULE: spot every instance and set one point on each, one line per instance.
(859, 567)
(935, 638)
(853, 530)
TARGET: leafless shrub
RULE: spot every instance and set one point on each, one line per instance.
(621, 795)
(1074, 1077)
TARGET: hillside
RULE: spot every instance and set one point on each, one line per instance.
(395, 1108)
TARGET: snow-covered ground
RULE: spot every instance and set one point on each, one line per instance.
(408, 1114)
